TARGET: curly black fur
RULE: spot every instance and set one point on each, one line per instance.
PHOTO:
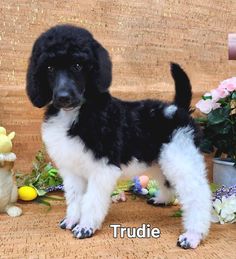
(109, 127)
(65, 45)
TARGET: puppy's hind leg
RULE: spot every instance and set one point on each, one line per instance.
(74, 186)
(165, 194)
(184, 166)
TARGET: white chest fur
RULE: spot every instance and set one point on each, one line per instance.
(70, 153)
(67, 152)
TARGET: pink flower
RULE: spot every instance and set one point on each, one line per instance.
(215, 95)
(216, 106)
(228, 84)
(206, 106)
(118, 197)
(210, 102)
(230, 87)
(218, 94)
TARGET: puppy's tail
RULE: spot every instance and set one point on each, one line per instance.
(183, 89)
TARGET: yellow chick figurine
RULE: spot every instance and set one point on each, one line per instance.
(5, 141)
(8, 188)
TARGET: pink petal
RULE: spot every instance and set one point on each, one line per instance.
(205, 106)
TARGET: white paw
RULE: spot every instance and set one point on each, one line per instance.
(68, 223)
(189, 239)
(82, 232)
(14, 211)
(161, 199)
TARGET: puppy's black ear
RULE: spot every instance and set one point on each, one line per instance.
(37, 86)
(103, 68)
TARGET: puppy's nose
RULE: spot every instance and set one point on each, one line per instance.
(63, 98)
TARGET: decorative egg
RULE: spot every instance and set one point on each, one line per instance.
(144, 180)
(27, 193)
(152, 191)
(144, 191)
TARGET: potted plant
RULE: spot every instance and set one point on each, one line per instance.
(219, 130)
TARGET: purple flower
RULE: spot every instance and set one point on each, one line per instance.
(224, 192)
(60, 187)
(137, 187)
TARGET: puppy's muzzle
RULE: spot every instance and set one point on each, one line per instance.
(63, 100)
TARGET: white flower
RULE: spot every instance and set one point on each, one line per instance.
(215, 217)
(224, 211)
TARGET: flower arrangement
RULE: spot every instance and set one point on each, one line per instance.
(219, 121)
(43, 176)
(138, 186)
(224, 205)
(144, 186)
(43, 179)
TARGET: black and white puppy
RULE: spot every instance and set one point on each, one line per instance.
(94, 138)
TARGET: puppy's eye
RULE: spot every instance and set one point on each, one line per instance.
(50, 68)
(78, 67)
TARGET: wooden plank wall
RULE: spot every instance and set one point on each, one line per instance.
(142, 38)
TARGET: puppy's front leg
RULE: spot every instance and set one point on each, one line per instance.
(74, 186)
(96, 200)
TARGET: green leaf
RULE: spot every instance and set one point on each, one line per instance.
(222, 144)
(218, 115)
(54, 197)
(222, 128)
(43, 202)
(40, 192)
(48, 167)
(124, 185)
(51, 182)
(206, 97)
(36, 179)
(206, 146)
(214, 187)
(52, 174)
(201, 120)
(178, 213)
(233, 96)
(53, 171)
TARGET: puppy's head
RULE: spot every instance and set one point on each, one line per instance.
(67, 64)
